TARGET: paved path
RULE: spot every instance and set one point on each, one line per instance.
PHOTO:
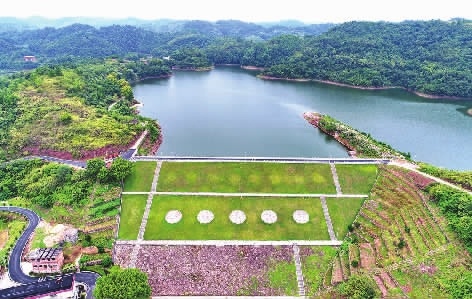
(413, 167)
(331, 233)
(298, 270)
(142, 227)
(335, 178)
(14, 263)
(263, 159)
(223, 194)
(230, 242)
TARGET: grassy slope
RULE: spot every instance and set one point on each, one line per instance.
(315, 267)
(423, 265)
(141, 177)
(343, 212)
(132, 210)
(356, 179)
(222, 229)
(246, 177)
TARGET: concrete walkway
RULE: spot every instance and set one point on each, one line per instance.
(142, 227)
(230, 242)
(263, 159)
(331, 233)
(298, 270)
(223, 194)
(335, 179)
(413, 167)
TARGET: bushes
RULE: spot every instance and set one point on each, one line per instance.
(358, 287)
(462, 178)
(101, 209)
(15, 229)
(457, 207)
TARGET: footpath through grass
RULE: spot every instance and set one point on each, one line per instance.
(246, 177)
(141, 177)
(356, 178)
(132, 210)
(221, 228)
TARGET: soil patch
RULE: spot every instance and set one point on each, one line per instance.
(206, 270)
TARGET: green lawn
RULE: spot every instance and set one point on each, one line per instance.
(356, 179)
(221, 228)
(132, 210)
(246, 177)
(343, 211)
(141, 177)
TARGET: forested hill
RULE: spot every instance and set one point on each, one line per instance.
(432, 57)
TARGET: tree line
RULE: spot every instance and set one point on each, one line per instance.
(431, 57)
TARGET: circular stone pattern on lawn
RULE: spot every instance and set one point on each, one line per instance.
(269, 216)
(205, 216)
(237, 217)
(173, 216)
(301, 216)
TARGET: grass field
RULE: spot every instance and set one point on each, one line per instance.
(356, 179)
(132, 210)
(141, 176)
(246, 177)
(221, 228)
(342, 212)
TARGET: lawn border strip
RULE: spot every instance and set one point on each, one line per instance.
(227, 297)
(229, 242)
(227, 194)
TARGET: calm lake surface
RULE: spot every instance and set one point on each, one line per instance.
(230, 112)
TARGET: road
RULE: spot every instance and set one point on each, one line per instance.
(14, 263)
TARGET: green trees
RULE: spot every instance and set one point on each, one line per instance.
(457, 207)
(123, 284)
(120, 169)
(358, 287)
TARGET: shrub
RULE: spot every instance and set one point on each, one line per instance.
(107, 262)
(358, 287)
(355, 263)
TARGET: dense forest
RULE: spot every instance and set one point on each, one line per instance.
(432, 57)
(74, 111)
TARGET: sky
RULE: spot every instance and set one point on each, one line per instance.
(308, 11)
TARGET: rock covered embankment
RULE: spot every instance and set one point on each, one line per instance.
(358, 143)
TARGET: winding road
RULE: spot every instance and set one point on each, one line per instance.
(14, 263)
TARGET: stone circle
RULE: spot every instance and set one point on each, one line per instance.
(301, 216)
(269, 216)
(173, 216)
(237, 217)
(205, 216)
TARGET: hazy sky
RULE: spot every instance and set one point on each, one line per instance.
(310, 11)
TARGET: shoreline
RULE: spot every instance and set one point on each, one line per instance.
(420, 94)
(313, 118)
(193, 69)
(151, 77)
(252, 68)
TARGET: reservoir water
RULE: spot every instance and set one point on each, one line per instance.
(230, 112)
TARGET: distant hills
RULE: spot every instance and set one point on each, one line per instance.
(159, 25)
(430, 57)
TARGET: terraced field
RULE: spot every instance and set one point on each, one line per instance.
(392, 236)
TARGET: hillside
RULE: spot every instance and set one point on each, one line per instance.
(429, 57)
(64, 111)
